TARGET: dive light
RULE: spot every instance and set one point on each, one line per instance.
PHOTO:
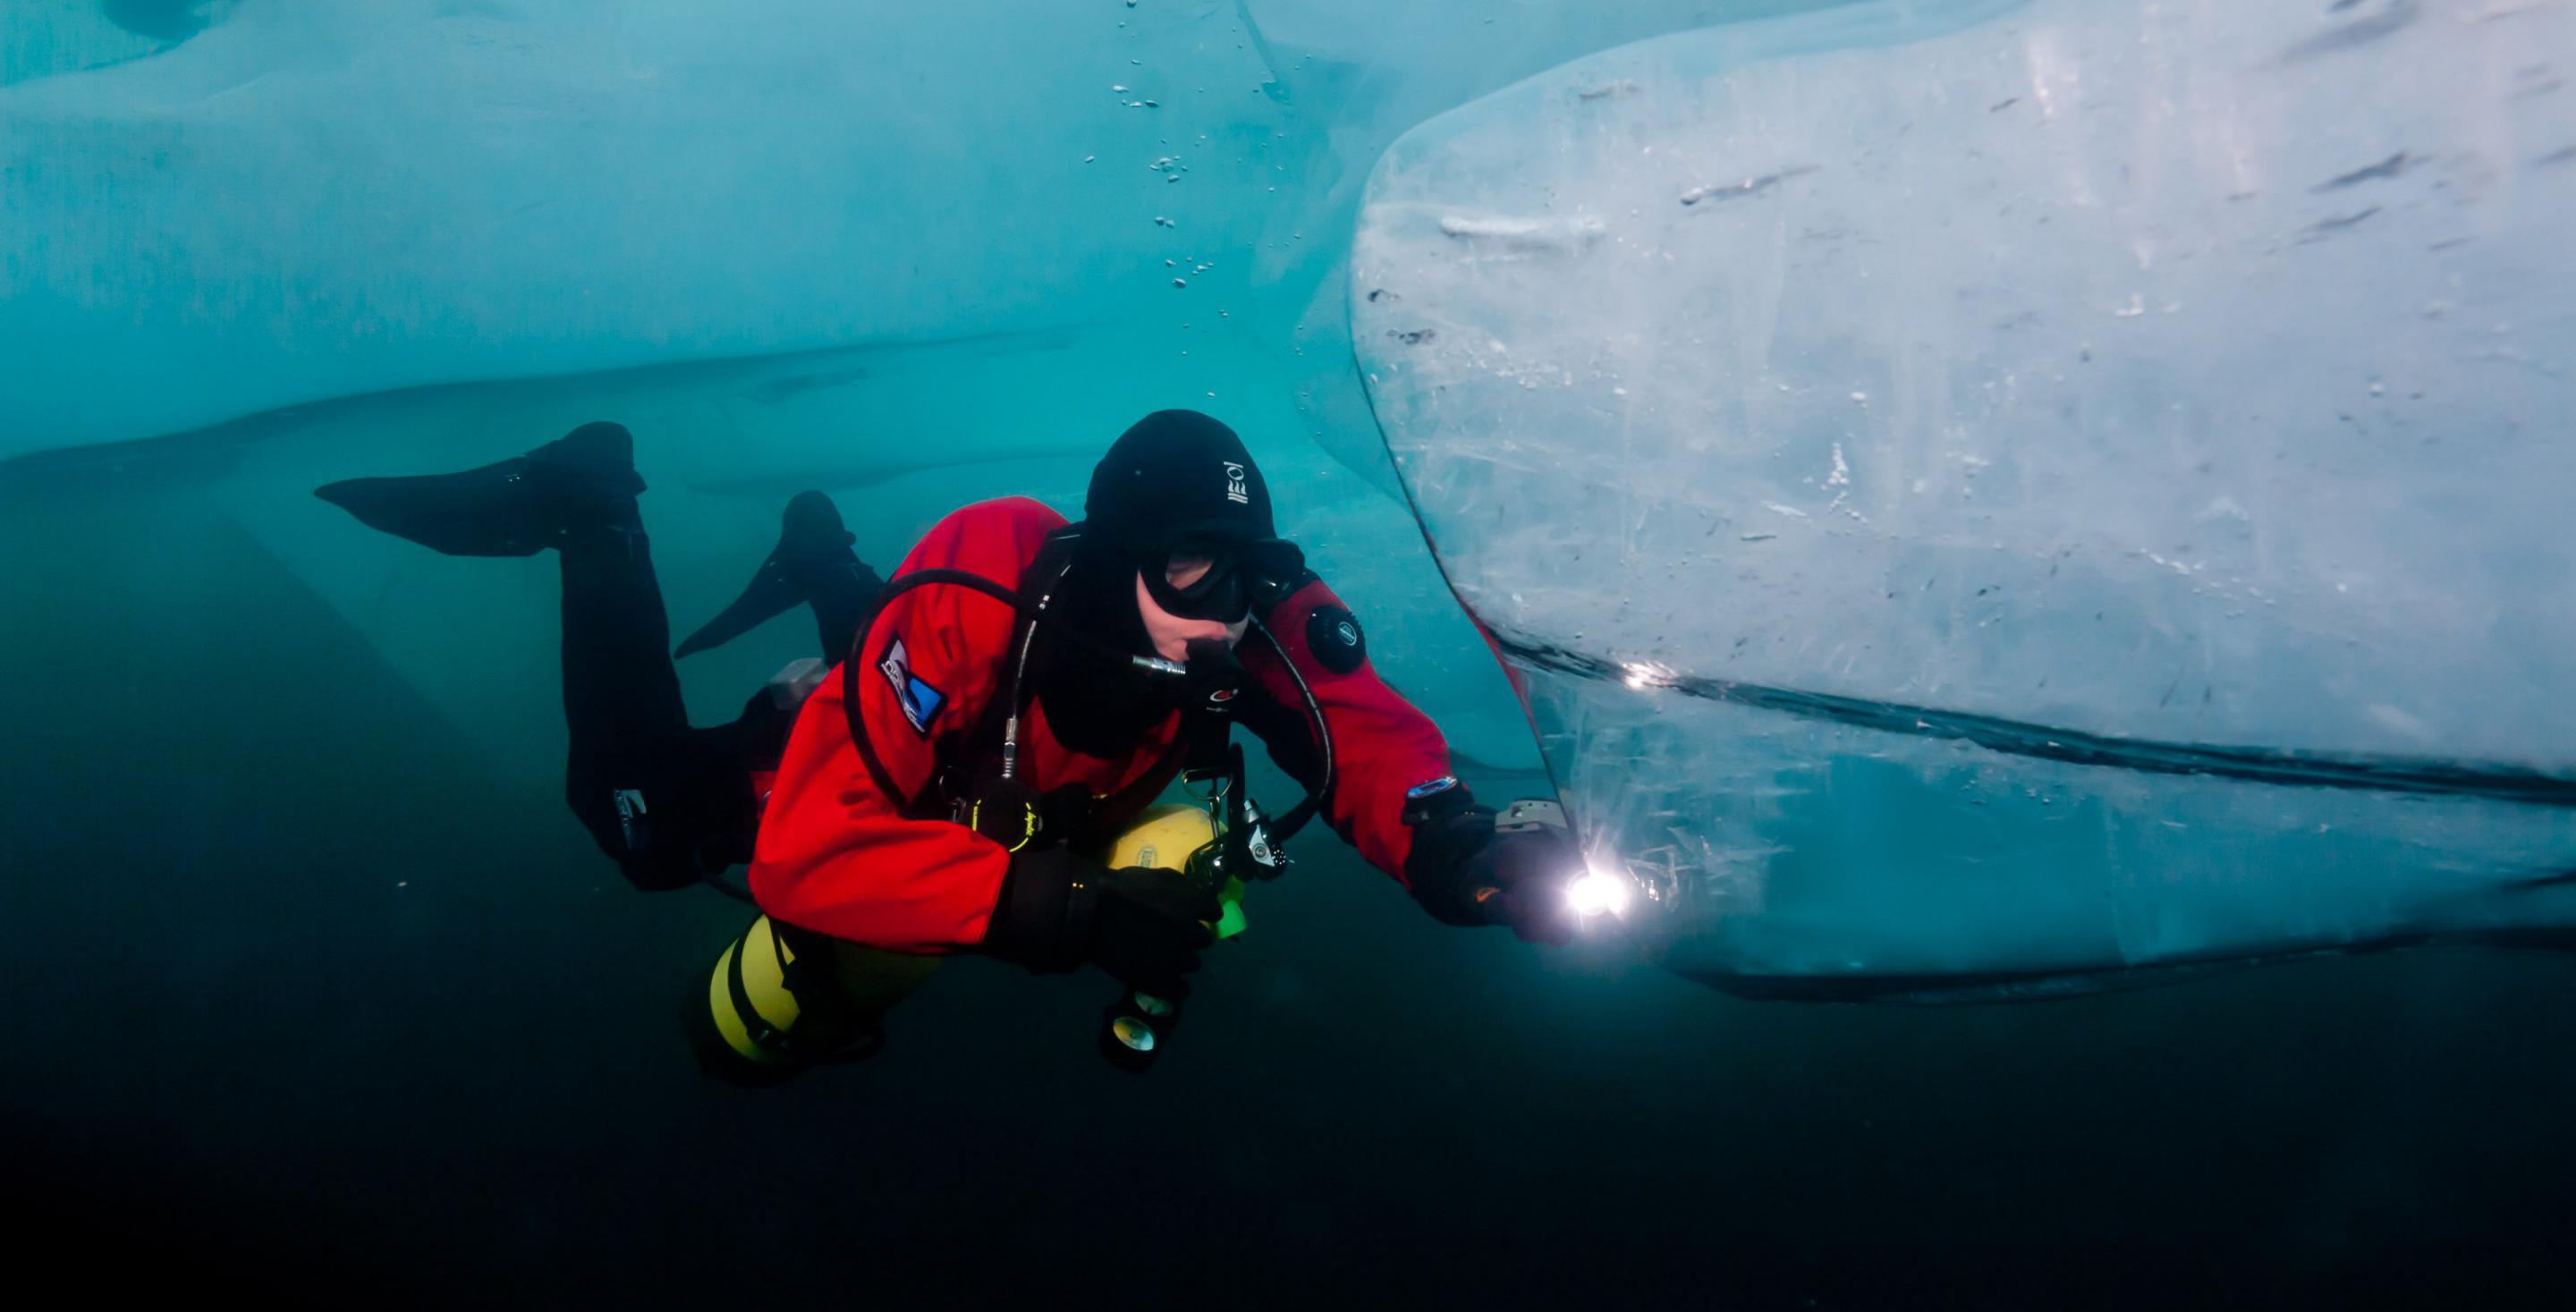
(1602, 890)
(1236, 848)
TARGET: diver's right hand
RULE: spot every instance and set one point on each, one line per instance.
(1059, 910)
(1150, 927)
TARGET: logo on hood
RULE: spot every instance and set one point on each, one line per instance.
(1234, 489)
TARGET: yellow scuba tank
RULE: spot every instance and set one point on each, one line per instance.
(781, 999)
(1170, 837)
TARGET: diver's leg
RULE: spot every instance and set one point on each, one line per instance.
(652, 792)
(667, 801)
(622, 706)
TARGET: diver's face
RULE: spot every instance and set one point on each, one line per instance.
(1171, 633)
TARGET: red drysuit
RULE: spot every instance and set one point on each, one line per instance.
(834, 855)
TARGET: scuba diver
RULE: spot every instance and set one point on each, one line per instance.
(978, 775)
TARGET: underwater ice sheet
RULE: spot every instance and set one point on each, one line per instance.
(913, 255)
(1991, 490)
(215, 209)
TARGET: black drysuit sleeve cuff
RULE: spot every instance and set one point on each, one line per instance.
(1043, 918)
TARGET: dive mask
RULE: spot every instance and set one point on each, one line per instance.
(1219, 579)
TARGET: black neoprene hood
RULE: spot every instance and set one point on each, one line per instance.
(1175, 475)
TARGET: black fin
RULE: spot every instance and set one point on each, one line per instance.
(514, 507)
(810, 538)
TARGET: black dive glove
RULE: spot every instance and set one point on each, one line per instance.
(1059, 910)
(1150, 927)
(1464, 873)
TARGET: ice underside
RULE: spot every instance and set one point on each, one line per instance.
(1992, 488)
(1962, 417)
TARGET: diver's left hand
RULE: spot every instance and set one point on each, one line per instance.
(1522, 879)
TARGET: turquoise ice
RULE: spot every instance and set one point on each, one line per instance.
(2002, 490)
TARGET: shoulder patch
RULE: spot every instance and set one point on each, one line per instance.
(921, 703)
(1333, 635)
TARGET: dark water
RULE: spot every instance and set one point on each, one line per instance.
(310, 1004)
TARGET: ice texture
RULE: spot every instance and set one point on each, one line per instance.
(910, 254)
(1351, 76)
(917, 254)
(1985, 489)
(304, 201)
(309, 201)
(43, 37)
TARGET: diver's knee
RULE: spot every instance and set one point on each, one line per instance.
(652, 849)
